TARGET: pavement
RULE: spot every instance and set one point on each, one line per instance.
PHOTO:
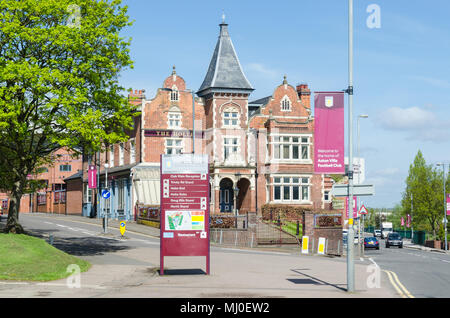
(235, 273)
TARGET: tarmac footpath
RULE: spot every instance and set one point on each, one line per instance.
(235, 273)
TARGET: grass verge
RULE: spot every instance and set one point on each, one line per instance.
(27, 258)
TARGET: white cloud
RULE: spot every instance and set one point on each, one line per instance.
(432, 81)
(263, 70)
(396, 118)
(419, 124)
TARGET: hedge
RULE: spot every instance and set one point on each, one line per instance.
(280, 211)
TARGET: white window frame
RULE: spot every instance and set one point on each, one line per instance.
(291, 143)
(111, 156)
(286, 104)
(233, 145)
(289, 182)
(171, 120)
(174, 94)
(67, 168)
(88, 194)
(179, 149)
(121, 154)
(132, 151)
(227, 121)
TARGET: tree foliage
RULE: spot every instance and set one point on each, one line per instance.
(423, 197)
(60, 62)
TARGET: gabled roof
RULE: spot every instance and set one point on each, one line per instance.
(225, 72)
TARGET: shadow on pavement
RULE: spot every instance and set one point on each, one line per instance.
(314, 280)
(174, 272)
(81, 246)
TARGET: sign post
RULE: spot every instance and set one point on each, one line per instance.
(184, 229)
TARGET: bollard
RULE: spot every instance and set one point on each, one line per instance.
(50, 239)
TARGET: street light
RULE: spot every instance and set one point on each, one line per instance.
(361, 246)
(105, 215)
(349, 91)
(193, 112)
(445, 204)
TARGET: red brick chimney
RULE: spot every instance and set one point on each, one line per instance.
(304, 93)
(135, 97)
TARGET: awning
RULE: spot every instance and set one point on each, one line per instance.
(146, 184)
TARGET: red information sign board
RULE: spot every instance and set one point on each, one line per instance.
(184, 207)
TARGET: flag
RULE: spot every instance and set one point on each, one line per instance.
(329, 132)
(403, 221)
(408, 221)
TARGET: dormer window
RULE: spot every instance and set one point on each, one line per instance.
(286, 104)
(174, 94)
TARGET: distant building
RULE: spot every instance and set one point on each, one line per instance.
(52, 197)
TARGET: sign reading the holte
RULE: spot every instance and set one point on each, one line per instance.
(184, 207)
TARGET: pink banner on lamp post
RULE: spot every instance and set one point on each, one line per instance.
(92, 177)
(329, 132)
(448, 204)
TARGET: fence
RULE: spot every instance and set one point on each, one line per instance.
(281, 231)
(233, 237)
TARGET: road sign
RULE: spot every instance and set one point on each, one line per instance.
(106, 194)
(184, 229)
(359, 190)
(122, 226)
(363, 210)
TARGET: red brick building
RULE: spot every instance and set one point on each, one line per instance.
(53, 197)
(261, 152)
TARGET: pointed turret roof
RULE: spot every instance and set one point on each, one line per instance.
(225, 72)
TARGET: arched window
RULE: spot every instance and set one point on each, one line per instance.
(286, 104)
(174, 94)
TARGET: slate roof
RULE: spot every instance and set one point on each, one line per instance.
(261, 101)
(225, 72)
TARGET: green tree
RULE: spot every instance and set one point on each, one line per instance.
(423, 196)
(59, 66)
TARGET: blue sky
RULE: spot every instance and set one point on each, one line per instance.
(401, 70)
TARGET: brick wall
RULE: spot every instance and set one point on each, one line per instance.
(74, 197)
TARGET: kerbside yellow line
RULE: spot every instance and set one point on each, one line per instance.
(404, 293)
(407, 293)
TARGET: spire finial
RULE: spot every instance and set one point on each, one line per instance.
(174, 72)
(285, 79)
(223, 16)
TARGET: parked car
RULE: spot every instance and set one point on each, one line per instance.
(377, 233)
(371, 242)
(394, 239)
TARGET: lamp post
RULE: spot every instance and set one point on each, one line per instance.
(105, 229)
(445, 204)
(193, 112)
(350, 248)
(361, 246)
